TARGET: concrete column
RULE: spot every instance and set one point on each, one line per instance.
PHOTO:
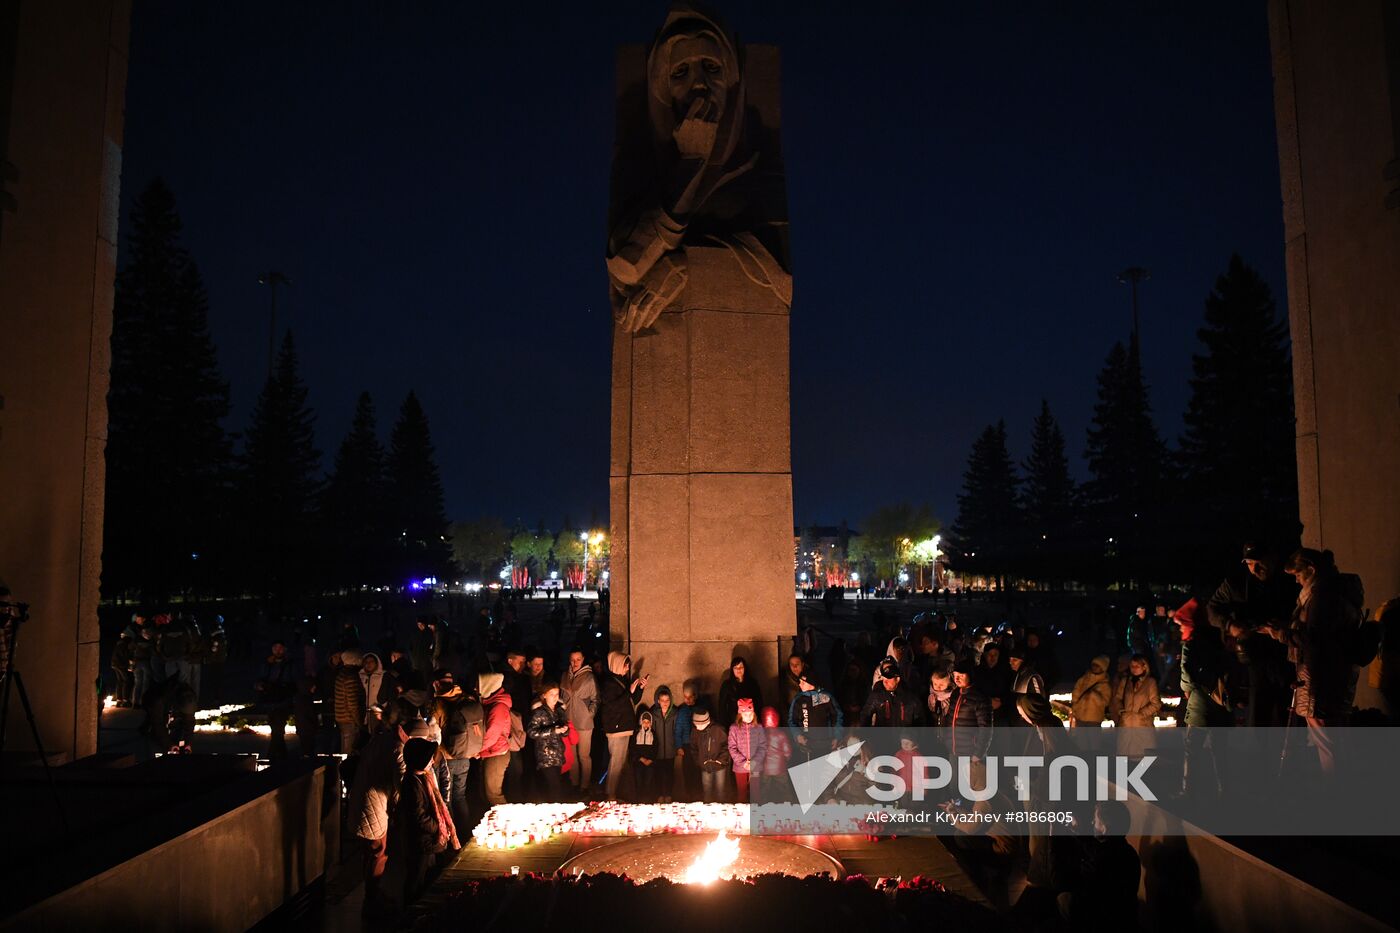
(62, 102)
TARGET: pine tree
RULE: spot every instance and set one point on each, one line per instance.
(281, 481)
(988, 532)
(1128, 461)
(354, 506)
(168, 457)
(1048, 499)
(417, 512)
(1237, 450)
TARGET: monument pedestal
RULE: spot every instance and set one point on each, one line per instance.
(701, 481)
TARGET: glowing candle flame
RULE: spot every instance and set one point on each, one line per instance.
(718, 856)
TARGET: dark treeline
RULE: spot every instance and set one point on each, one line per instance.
(1149, 513)
(194, 511)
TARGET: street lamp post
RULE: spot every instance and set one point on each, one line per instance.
(583, 537)
(272, 280)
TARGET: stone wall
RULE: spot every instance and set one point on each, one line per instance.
(1337, 100)
(61, 110)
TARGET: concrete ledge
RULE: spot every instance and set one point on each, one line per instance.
(222, 860)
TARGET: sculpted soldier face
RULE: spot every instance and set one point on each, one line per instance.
(697, 74)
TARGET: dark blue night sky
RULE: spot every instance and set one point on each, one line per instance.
(965, 181)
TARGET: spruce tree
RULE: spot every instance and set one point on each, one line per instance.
(1047, 499)
(168, 457)
(1128, 463)
(281, 484)
(987, 534)
(417, 513)
(354, 506)
(1237, 449)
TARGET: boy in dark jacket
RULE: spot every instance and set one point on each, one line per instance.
(709, 746)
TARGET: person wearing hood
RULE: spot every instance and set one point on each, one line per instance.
(495, 740)
(686, 776)
(372, 679)
(423, 823)
(1324, 625)
(548, 726)
(1134, 708)
(897, 651)
(737, 685)
(349, 699)
(643, 757)
(617, 714)
(1091, 694)
(374, 794)
(709, 747)
(579, 688)
(771, 782)
(748, 746)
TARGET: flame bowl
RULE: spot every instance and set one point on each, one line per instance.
(670, 856)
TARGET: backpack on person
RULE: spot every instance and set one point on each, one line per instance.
(517, 732)
(464, 728)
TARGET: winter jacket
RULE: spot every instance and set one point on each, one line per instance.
(1089, 700)
(748, 746)
(415, 817)
(644, 745)
(996, 682)
(580, 691)
(898, 709)
(349, 695)
(791, 688)
(373, 683)
(1203, 662)
(1027, 680)
(969, 723)
(1327, 615)
(121, 653)
(1136, 703)
(816, 711)
(732, 691)
(685, 717)
(1251, 602)
(278, 681)
(779, 751)
(176, 639)
(665, 727)
(549, 743)
(617, 708)
(496, 740)
(374, 792)
(709, 747)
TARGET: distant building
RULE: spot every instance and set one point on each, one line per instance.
(822, 553)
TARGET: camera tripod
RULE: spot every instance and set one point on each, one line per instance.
(10, 681)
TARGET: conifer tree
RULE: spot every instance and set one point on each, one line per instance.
(1047, 499)
(988, 532)
(1237, 449)
(1127, 460)
(417, 513)
(355, 508)
(168, 458)
(281, 482)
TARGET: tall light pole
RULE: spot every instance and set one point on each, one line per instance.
(583, 537)
(1132, 276)
(272, 280)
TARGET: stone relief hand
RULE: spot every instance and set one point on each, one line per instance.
(695, 136)
(656, 292)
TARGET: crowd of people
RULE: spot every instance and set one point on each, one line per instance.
(1279, 641)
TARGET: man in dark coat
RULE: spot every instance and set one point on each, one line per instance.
(1243, 607)
(890, 708)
